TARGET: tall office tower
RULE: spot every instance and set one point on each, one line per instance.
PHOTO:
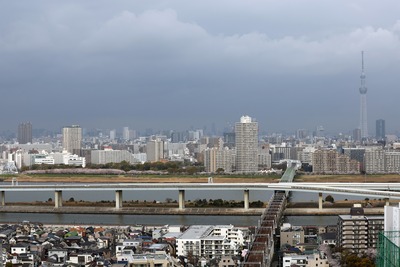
(125, 133)
(301, 134)
(357, 135)
(246, 140)
(72, 138)
(363, 98)
(380, 129)
(25, 133)
(113, 134)
(319, 132)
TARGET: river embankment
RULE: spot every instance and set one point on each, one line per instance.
(177, 211)
(79, 178)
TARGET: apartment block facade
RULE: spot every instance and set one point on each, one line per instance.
(330, 161)
(357, 232)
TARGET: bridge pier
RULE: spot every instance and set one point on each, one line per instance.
(387, 202)
(118, 199)
(3, 198)
(58, 199)
(181, 199)
(320, 201)
(246, 199)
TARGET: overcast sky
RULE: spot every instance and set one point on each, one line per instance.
(176, 64)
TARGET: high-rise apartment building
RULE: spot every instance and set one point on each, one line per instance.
(380, 129)
(246, 140)
(113, 134)
(219, 158)
(330, 161)
(374, 160)
(72, 138)
(357, 135)
(357, 232)
(125, 133)
(25, 133)
(155, 150)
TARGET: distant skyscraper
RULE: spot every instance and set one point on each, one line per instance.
(229, 139)
(319, 132)
(155, 150)
(25, 133)
(301, 133)
(246, 140)
(125, 133)
(363, 102)
(113, 134)
(72, 138)
(380, 129)
(357, 135)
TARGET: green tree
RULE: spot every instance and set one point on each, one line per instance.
(220, 171)
(191, 170)
(329, 198)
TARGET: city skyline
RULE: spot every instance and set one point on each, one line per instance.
(128, 133)
(171, 64)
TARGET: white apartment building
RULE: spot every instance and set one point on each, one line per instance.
(392, 162)
(109, 155)
(246, 140)
(113, 134)
(312, 260)
(128, 243)
(67, 158)
(210, 241)
(378, 160)
(306, 154)
(42, 159)
(374, 160)
(125, 133)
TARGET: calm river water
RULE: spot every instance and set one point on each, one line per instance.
(157, 219)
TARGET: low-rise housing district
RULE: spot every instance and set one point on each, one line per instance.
(36, 244)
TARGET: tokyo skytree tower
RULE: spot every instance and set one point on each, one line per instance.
(363, 103)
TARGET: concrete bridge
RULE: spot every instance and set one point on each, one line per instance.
(377, 190)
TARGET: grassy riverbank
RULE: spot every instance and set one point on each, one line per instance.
(355, 178)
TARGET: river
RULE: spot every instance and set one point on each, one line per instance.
(161, 196)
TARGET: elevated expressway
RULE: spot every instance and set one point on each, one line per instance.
(378, 190)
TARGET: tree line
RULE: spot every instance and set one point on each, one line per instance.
(172, 167)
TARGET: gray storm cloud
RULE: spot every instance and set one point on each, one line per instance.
(165, 65)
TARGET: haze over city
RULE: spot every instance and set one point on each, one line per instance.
(176, 64)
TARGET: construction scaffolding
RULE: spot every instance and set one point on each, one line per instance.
(388, 249)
